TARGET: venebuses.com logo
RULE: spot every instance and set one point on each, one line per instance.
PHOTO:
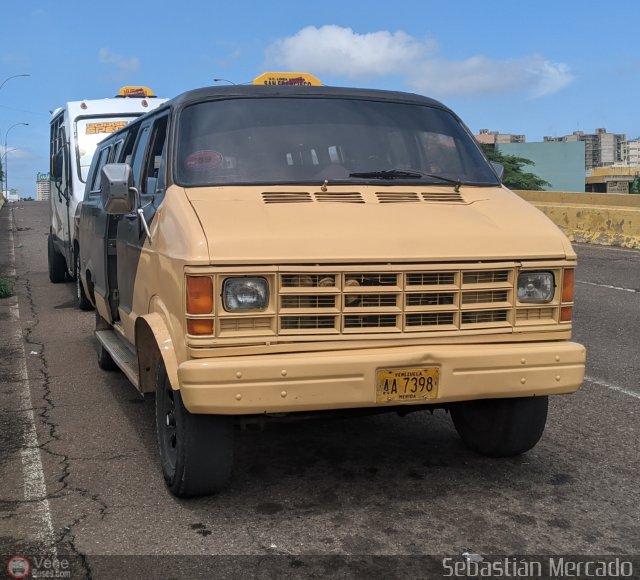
(19, 567)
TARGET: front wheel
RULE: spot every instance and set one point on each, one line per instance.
(501, 427)
(196, 451)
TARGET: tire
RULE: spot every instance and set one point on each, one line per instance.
(83, 302)
(105, 362)
(196, 451)
(501, 427)
(57, 263)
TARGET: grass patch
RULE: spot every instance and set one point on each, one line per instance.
(6, 287)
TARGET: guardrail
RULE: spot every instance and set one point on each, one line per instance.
(596, 218)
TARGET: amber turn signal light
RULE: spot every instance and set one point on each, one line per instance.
(567, 285)
(566, 313)
(199, 294)
(200, 326)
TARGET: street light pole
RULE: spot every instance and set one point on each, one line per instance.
(13, 77)
(6, 157)
(4, 167)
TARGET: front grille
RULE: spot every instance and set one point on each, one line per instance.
(490, 296)
(307, 322)
(411, 300)
(484, 316)
(373, 321)
(392, 299)
(431, 319)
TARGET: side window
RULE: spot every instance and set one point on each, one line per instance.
(152, 180)
(138, 154)
(126, 151)
(94, 184)
(116, 150)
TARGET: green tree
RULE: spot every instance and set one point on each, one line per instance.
(514, 177)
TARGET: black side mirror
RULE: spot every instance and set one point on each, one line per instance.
(118, 193)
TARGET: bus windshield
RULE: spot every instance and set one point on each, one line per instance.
(294, 140)
(90, 131)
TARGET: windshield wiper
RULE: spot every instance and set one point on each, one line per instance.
(405, 174)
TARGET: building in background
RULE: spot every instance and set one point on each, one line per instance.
(487, 137)
(562, 164)
(613, 179)
(631, 152)
(601, 148)
(43, 187)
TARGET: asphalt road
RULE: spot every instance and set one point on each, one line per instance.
(80, 472)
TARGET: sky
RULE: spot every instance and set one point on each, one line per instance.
(532, 67)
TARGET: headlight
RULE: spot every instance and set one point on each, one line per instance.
(245, 294)
(537, 287)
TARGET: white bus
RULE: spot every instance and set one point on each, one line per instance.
(76, 130)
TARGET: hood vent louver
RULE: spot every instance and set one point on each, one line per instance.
(286, 197)
(357, 197)
(397, 197)
(442, 197)
(339, 197)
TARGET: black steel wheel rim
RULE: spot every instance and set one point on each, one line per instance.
(168, 427)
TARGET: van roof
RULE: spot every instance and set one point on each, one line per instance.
(261, 91)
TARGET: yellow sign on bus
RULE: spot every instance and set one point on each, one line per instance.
(287, 78)
(105, 127)
(135, 91)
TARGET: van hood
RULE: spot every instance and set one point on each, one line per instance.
(249, 225)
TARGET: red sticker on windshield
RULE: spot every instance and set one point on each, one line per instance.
(201, 160)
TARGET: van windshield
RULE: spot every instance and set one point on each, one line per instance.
(298, 140)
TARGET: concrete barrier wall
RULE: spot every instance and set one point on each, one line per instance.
(595, 218)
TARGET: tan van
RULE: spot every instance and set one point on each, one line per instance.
(254, 251)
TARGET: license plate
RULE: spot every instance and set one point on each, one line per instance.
(407, 385)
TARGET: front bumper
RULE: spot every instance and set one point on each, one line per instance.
(313, 381)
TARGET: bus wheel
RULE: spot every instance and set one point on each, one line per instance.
(83, 302)
(196, 451)
(501, 427)
(57, 264)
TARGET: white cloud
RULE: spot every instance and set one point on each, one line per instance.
(122, 63)
(339, 51)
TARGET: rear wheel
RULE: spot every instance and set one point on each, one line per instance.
(501, 427)
(196, 451)
(83, 302)
(57, 263)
